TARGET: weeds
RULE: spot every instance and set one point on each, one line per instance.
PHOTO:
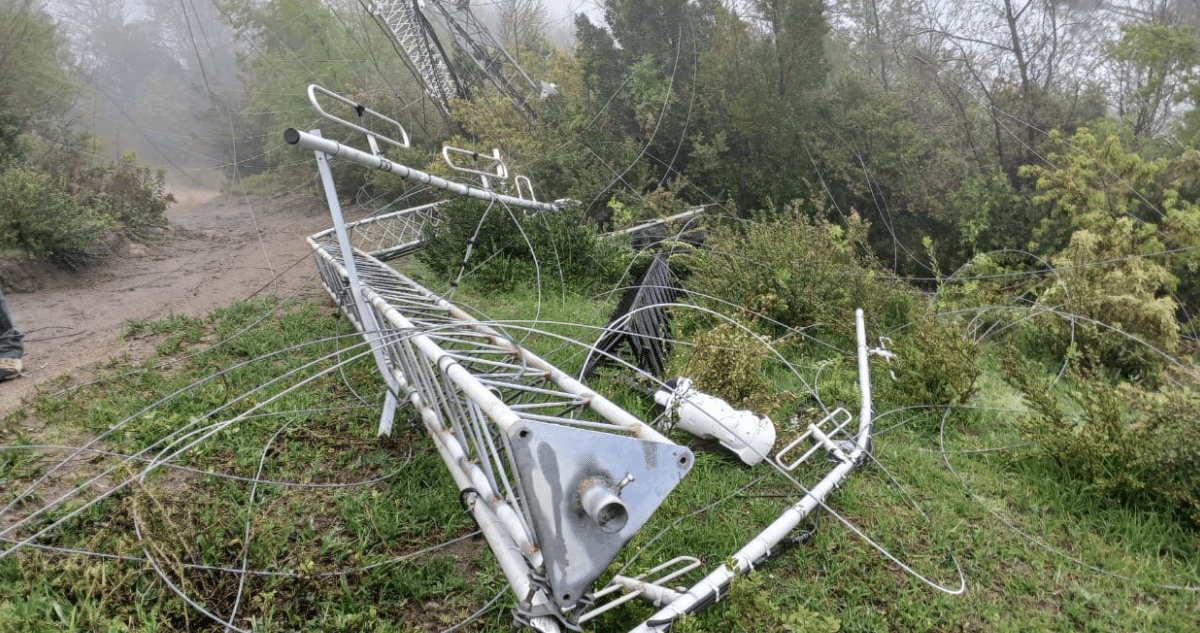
(336, 526)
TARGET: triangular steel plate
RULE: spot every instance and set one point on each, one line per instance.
(554, 462)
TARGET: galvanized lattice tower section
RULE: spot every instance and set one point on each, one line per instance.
(420, 48)
(480, 61)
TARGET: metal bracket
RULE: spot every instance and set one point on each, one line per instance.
(494, 169)
(885, 353)
(588, 493)
(528, 187)
(821, 439)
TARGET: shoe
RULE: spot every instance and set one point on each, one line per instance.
(10, 368)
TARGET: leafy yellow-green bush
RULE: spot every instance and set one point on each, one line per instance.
(936, 363)
(1133, 444)
(726, 361)
(1118, 231)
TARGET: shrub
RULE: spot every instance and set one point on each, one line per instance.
(1132, 444)
(1110, 313)
(504, 247)
(132, 195)
(936, 363)
(128, 194)
(1107, 208)
(800, 272)
(43, 219)
(726, 361)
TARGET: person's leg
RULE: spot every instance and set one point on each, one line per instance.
(11, 343)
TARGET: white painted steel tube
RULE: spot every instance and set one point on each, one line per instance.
(671, 218)
(598, 403)
(718, 580)
(866, 415)
(494, 407)
(370, 329)
(465, 473)
(375, 219)
(292, 136)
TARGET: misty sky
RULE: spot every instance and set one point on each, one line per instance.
(560, 14)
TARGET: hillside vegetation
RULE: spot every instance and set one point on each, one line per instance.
(1011, 192)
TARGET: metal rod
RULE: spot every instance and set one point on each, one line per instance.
(370, 329)
(713, 586)
(292, 136)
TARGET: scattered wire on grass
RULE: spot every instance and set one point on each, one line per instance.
(164, 455)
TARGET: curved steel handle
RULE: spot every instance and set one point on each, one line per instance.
(313, 89)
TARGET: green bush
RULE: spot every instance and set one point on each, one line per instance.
(1134, 445)
(44, 220)
(1107, 316)
(726, 361)
(936, 363)
(133, 195)
(1119, 234)
(505, 247)
(801, 273)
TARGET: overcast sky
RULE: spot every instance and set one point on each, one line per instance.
(561, 14)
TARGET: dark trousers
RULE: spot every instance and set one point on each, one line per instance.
(11, 345)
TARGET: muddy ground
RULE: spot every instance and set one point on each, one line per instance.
(216, 249)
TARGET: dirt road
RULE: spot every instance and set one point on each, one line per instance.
(216, 249)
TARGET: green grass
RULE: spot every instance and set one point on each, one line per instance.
(1038, 550)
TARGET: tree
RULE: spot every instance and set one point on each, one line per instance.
(1115, 224)
(1031, 60)
(797, 29)
(1158, 67)
(878, 35)
(523, 29)
(36, 85)
(289, 44)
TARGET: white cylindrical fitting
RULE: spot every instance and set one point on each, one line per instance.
(748, 435)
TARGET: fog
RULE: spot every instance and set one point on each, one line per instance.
(163, 76)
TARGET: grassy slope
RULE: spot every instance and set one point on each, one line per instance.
(1014, 523)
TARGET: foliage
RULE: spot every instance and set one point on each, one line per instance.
(798, 272)
(35, 80)
(59, 203)
(872, 154)
(505, 247)
(726, 361)
(990, 215)
(937, 364)
(1156, 63)
(284, 39)
(1111, 218)
(131, 194)
(1131, 443)
(43, 219)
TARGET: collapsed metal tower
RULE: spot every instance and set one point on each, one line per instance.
(558, 477)
(480, 61)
